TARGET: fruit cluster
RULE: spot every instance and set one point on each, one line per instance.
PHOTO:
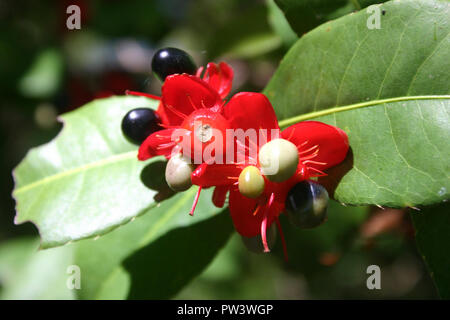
(264, 174)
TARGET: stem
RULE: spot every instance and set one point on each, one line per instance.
(356, 4)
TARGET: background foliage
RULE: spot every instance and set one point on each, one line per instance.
(86, 184)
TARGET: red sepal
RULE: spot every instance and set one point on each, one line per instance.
(182, 94)
(219, 77)
(158, 143)
(328, 142)
(247, 110)
(242, 210)
(208, 175)
(219, 196)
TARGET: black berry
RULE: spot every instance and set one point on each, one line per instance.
(139, 123)
(169, 61)
(306, 204)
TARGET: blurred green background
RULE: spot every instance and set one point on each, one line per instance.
(47, 70)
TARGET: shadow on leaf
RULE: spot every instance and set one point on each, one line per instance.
(336, 173)
(161, 269)
(153, 177)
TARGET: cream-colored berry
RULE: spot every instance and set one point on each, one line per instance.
(278, 159)
(251, 182)
(178, 173)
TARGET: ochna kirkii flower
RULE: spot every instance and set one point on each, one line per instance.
(257, 199)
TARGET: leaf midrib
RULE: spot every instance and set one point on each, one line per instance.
(113, 159)
(321, 113)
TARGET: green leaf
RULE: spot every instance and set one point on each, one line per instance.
(343, 62)
(86, 181)
(304, 15)
(150, 245)
(397, 156)
(391, 99)
(432, 236)
(26, 273)
(155, 256)
(176, 258)
(255, 36)
(44, 76)
(280, 25)
(237, 273)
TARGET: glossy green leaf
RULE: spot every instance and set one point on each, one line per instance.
(177, 258)
(147, 248)
(304, 15)
(86, 181)
(26, 273)
(343, 62)
(237, 273)
(432, 236)
(388, 89)
(398, 157)
(154, 256)
(280, 25)
(254, 39)
(44, 76)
